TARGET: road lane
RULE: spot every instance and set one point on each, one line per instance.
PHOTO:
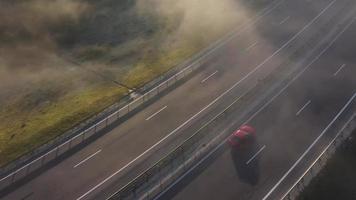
(267, 58)
(118, 150)
(86, 159)
(286, 136)
(56, 178)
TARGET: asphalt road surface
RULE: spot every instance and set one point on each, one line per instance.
(286, 127)
(129, 148)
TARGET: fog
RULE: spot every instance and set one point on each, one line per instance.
(26, 35)
(195, 19)
(28, 48)
(34, 34)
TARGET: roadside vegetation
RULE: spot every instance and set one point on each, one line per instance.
(60, 59)
(338, 179)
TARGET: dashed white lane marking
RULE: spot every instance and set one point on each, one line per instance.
(322, 153)
(86, 159)
(310, 64)
(194, 116)
(256, 154)
(284, 20)
(251, 46)
(341, 67)
(156, 113)
(301, 110)
(307, 67)
(205, 79)
(309, 148)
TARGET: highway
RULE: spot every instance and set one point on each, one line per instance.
(110, 161)
(286, 127)
(114, 156)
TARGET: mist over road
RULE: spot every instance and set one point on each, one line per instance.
(285, 128)
(289, 125)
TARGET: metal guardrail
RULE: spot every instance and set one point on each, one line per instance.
(161, 174)
(151, 88)
(189, 66)
(167, 170)
(122, 112)
(328, 152)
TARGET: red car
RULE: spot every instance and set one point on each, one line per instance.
(242, 138)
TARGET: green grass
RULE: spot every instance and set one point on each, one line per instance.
(148, 69)
(23, 130)
(129, 48)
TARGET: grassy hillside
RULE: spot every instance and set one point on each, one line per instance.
(43, 94)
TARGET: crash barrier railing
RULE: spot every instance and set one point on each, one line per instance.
(178, 161)
(165, 81)
(169, 169)
(120, 109)
(115, 116)
(328, 152)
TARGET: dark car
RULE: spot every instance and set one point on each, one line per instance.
(243, 138)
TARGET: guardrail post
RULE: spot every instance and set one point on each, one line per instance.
(27, 169)
(70, 144)
(83, 136)
(134, 191)
(42, 160)
(118, 114)
(160, 178)
(13, 177)
(57, 149)
(184, 163)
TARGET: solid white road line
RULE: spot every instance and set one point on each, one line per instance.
(283, 21)
(256, 154)
(341, 67)
(254, 115)
(310, 147)
(86, 159)
(251, 46)
(194, 116)
(205, 157)
(138, 157)
(300, 110)
(205, 79)
(316, 160)
(156, 113)
(300, 73)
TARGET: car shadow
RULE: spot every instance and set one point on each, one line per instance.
(247, 170)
